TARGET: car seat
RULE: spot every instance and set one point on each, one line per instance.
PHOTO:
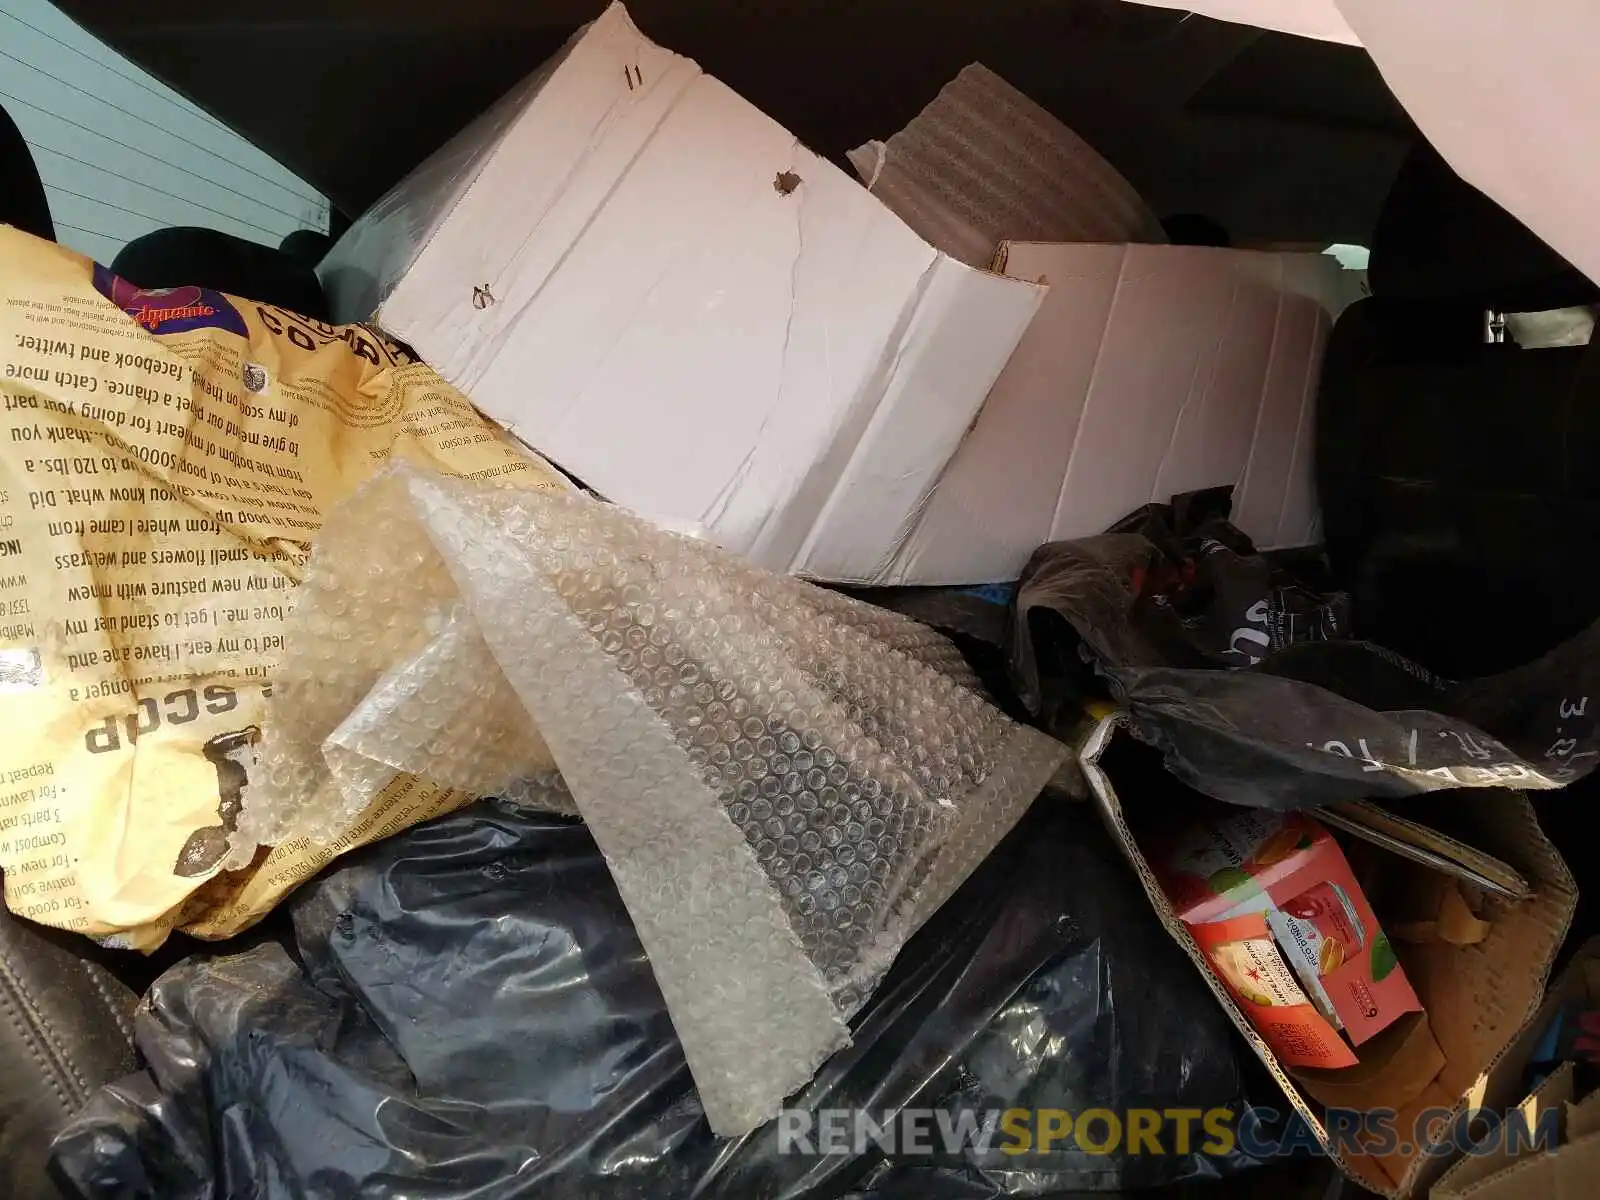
(22, 198)
(1460, 477)
(179, 257)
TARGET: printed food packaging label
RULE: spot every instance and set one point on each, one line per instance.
(166, 457)
(1271, 900)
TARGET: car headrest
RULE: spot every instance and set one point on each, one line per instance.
(22, 199)
(182, 256)
(1441, 239)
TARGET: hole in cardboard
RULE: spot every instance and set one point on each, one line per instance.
(785, 183)
(482, 297)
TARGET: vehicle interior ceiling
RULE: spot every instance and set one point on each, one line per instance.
(1278, 139)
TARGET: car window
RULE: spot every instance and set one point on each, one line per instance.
(122, 154)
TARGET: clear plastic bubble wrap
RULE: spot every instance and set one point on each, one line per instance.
(784, 781)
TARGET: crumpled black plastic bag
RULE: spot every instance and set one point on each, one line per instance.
(475, 1018)
(1245, 679)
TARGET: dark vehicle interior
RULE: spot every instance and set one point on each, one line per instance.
(1456, 476)
(1277, 138)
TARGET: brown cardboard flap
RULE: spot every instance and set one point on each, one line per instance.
(1576, 1121)
(1579, 980)
(1457, 923)
(1426, 846)
(1395, 1068)
(1553, 1093)
(1569, 1173)
(1401, 1163)
(1583, 1117)
(1482, 998)
(1479, 998)
(1435, 911)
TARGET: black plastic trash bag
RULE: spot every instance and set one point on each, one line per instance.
(1244, 678)
(475, 1018)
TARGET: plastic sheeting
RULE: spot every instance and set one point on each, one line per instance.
(1245, 681)
(786, 782)
(476, 1018)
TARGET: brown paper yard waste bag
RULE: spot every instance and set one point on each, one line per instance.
(166, 458)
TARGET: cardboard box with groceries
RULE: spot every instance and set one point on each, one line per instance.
(1479, 995)
(1273, 902)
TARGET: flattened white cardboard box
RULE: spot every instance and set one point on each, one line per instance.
(640, 273)
(661, 290)
(1149, 371)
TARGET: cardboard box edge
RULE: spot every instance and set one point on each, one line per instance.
(1111, 813)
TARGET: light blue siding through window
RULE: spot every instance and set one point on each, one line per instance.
(121, 154)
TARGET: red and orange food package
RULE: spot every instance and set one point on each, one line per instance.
(1271, 900)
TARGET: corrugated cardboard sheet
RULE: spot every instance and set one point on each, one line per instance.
(372, 258)
(1505, 1172)
(1583, 1119)
(690, 311)
(1149, 371)
(1463, 1179)
(654, 284)
(1481, 1000)
(1571, 1172)
(983, 164)
(1372, 822)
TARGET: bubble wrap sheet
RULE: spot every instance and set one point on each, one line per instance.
(784, 781)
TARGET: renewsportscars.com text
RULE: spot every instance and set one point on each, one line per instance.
(1257, 1132)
